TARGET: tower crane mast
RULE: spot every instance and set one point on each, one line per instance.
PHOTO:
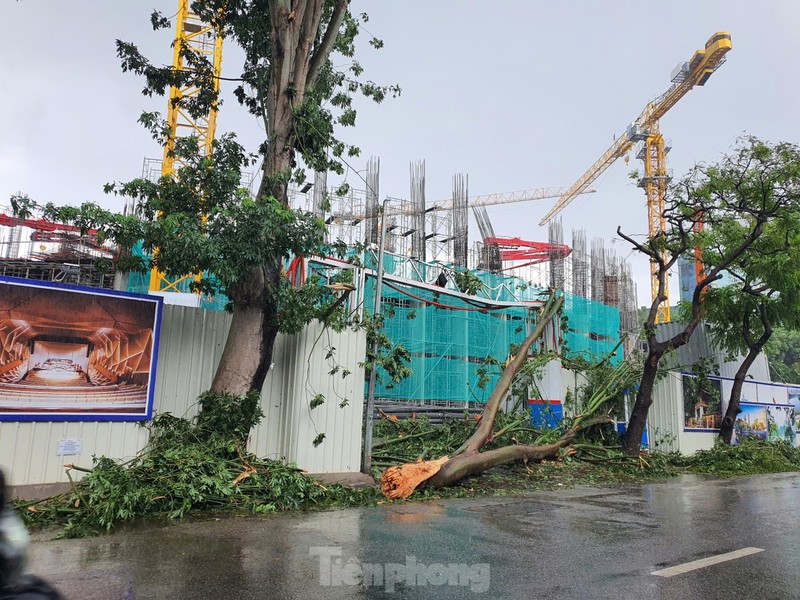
(192, 33)
(687, 75)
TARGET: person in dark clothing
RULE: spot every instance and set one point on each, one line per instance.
(441, 281)
(14, 583)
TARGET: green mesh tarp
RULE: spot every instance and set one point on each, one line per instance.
(450, 341)
(140, 283)
(593, 329)
(449, 344)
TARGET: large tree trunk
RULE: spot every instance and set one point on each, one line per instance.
(248, 351)
(729, 420)
(655, 352)
(247, 355)
(644, 399)
(474, 462)
(242, 353)
(297, 58)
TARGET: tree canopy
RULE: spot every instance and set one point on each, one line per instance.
(763, 292)
(783, 352)
(756, 184)
(200, 218)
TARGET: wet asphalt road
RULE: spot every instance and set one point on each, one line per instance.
(583, 543)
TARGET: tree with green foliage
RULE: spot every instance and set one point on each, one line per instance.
(764, 293)
(783, 352)
(200, 218)
(753, 185)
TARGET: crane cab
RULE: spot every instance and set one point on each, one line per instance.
(704, 76)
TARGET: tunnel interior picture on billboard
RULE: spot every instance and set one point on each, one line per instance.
(71, 353)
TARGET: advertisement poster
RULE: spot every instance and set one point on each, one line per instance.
(702, 402)
(74, 353)
(773, 422)
(794, 401)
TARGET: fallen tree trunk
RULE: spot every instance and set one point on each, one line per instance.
(474, 462)
(400, 481)
(477, 462)
(484, 430)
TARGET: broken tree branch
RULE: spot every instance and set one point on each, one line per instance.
(484, 430)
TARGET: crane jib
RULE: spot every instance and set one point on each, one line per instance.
(695, 71)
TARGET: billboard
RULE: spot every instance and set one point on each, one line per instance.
(793, 396)
(774, 422)
(70, 353)
(702, 402)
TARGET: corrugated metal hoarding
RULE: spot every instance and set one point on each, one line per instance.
(190, 347)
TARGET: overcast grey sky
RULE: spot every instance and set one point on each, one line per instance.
(517, 94)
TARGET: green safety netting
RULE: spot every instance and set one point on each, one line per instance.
(449, 338)
(593, 329)
(140, 283)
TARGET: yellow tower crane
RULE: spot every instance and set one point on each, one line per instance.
(190, 32)
(653, 151)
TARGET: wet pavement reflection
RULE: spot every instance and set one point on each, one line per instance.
(582, 543)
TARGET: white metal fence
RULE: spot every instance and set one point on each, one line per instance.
(190, 348)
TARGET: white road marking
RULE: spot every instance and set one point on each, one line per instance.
(706, 562)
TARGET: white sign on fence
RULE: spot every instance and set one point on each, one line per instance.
(68, 447)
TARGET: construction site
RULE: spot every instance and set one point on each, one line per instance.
(293, 333)
(421, 249)
(450, 339)
(270, 327)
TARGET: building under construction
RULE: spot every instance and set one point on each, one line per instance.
(39, 249)
(458, 342)
(455, 340)
(433, 237)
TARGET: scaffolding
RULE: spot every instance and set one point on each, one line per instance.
(555, 234)
(629, 326)
(427, 241)
(345, 216)
(457, 344)
(454, 340)
(611, 279)
(580, 264)
(47, 251)
(460, 220)
(319, 198)
(439, 225)
(488, 254)
(598, 267)
(371, 195)
(417, 206)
